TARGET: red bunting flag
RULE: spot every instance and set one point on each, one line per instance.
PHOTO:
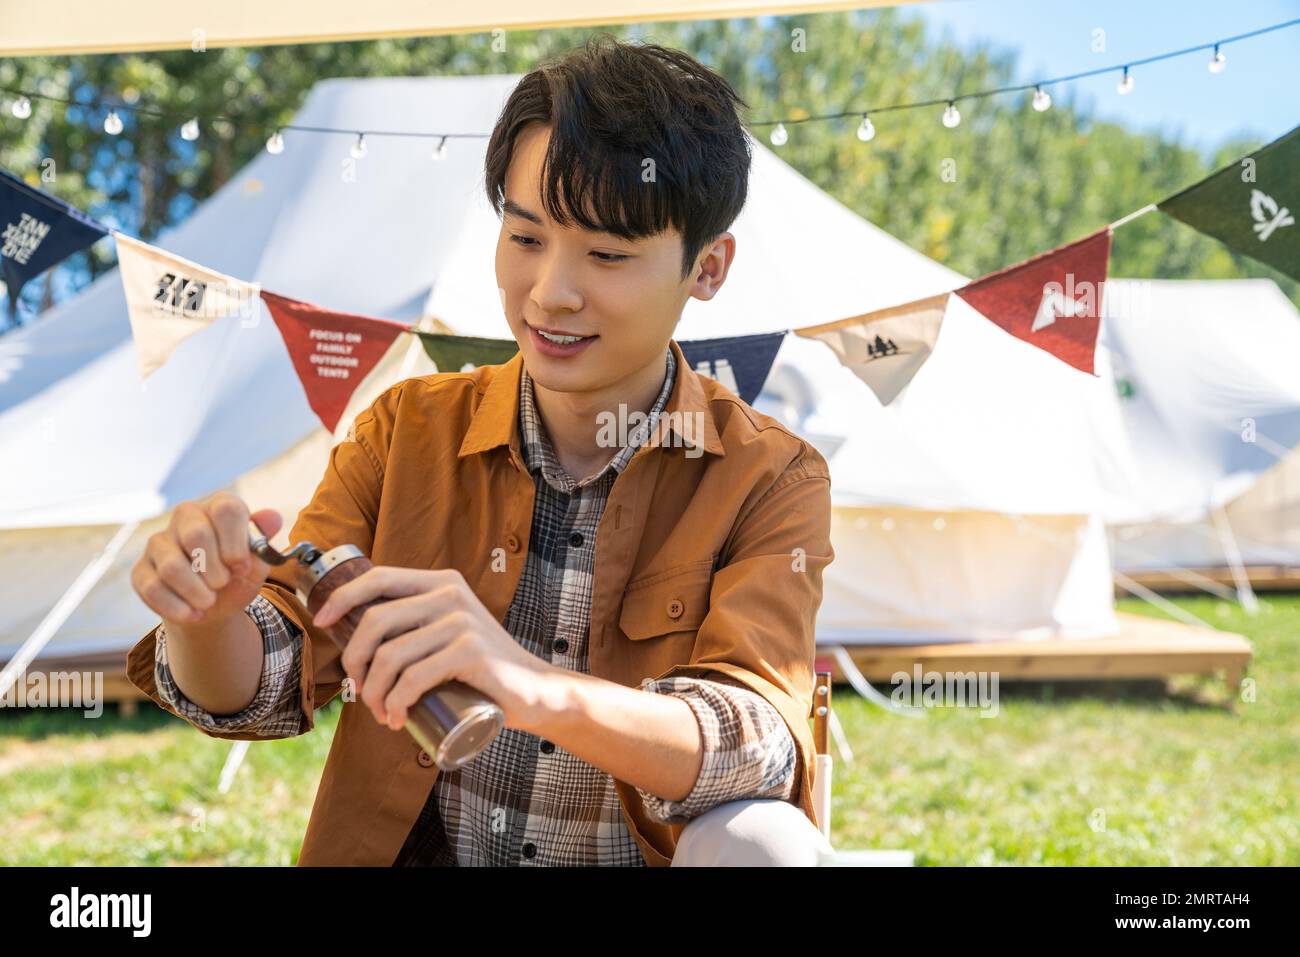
(1052, 301)
(332, 352)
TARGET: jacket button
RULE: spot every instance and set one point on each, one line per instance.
(560, 646)
(530, 850)
(675, 609)
(547, 747)
(425, 759)
(512, 542)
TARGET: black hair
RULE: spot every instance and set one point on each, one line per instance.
(612, 106)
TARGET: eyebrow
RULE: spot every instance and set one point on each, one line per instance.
(514, 209)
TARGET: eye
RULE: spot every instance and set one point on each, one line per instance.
(526, 241)
(610, 257)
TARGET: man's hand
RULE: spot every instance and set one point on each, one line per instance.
(434, 630)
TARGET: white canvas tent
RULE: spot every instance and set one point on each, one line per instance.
(1205, 405)
(947, 504)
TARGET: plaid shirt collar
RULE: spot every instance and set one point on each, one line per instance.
(539, 453)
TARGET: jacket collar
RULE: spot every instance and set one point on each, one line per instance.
(496, 420)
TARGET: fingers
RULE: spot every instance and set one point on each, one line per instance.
(196, 537)
(379, 623)
(382, 581)
(186, 566)
(228, 517)
(429, 672)
(157, 595)
(377, 675)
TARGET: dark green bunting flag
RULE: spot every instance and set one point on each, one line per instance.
(1251, 206)
(454, 353)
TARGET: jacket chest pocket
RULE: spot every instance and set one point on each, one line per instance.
(672, 602)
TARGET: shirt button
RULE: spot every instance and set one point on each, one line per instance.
(547, 747)
(575, 540)
(425, 759)
(560, 646)
(512, 542)
(675, 608)
(530, 850)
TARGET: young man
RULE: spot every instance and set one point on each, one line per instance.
(619, 552)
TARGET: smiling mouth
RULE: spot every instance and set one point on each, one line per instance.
(561, 339)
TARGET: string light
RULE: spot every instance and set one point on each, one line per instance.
(359, 147)
(22, 107)
(190, 131)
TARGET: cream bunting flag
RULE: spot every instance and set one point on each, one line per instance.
(169, 299)
(885, 348)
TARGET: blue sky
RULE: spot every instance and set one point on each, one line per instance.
(1258, 94)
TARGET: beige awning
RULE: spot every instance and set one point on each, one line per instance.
(94, 26)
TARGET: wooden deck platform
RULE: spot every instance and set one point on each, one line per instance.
(1261, 577)
(116, 686)
(1145, 648)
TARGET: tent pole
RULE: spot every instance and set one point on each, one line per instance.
(1232, 553)
(65, 606)
(234, 758)
(863, 687)
(1161, 602)
(841, 739)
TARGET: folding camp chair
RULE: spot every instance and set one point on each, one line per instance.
(823, 719)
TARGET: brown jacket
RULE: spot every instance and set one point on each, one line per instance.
(706, 562)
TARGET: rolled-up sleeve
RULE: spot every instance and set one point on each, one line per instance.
(749, 752)
(274, 711)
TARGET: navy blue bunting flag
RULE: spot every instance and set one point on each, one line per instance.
(741, 363)
(37, 231)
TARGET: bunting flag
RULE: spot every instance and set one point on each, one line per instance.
(332, 352)
(1052, 301)
(741, 363)
(1251, 206)
(885, 348)
(168, 299)
(37, 231)
(461, 353)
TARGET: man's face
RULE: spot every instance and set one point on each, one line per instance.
(625, 294)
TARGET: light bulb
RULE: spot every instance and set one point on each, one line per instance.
(22, 108)
(190, 131)
(275, 144)
(951, 117)
(440, 151)
(1042, 100)
(112, 123)
(1125, 85)
(1218, 62)
(359, 147)
(779, 135)
(867, 131)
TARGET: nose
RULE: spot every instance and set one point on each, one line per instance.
(553, 290)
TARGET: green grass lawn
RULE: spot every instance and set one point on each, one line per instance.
(1117, 774)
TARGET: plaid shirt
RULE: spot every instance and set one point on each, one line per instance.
(524, 800)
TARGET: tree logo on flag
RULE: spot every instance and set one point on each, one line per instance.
(179, 296)
(883, 348)
(1268, 217)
